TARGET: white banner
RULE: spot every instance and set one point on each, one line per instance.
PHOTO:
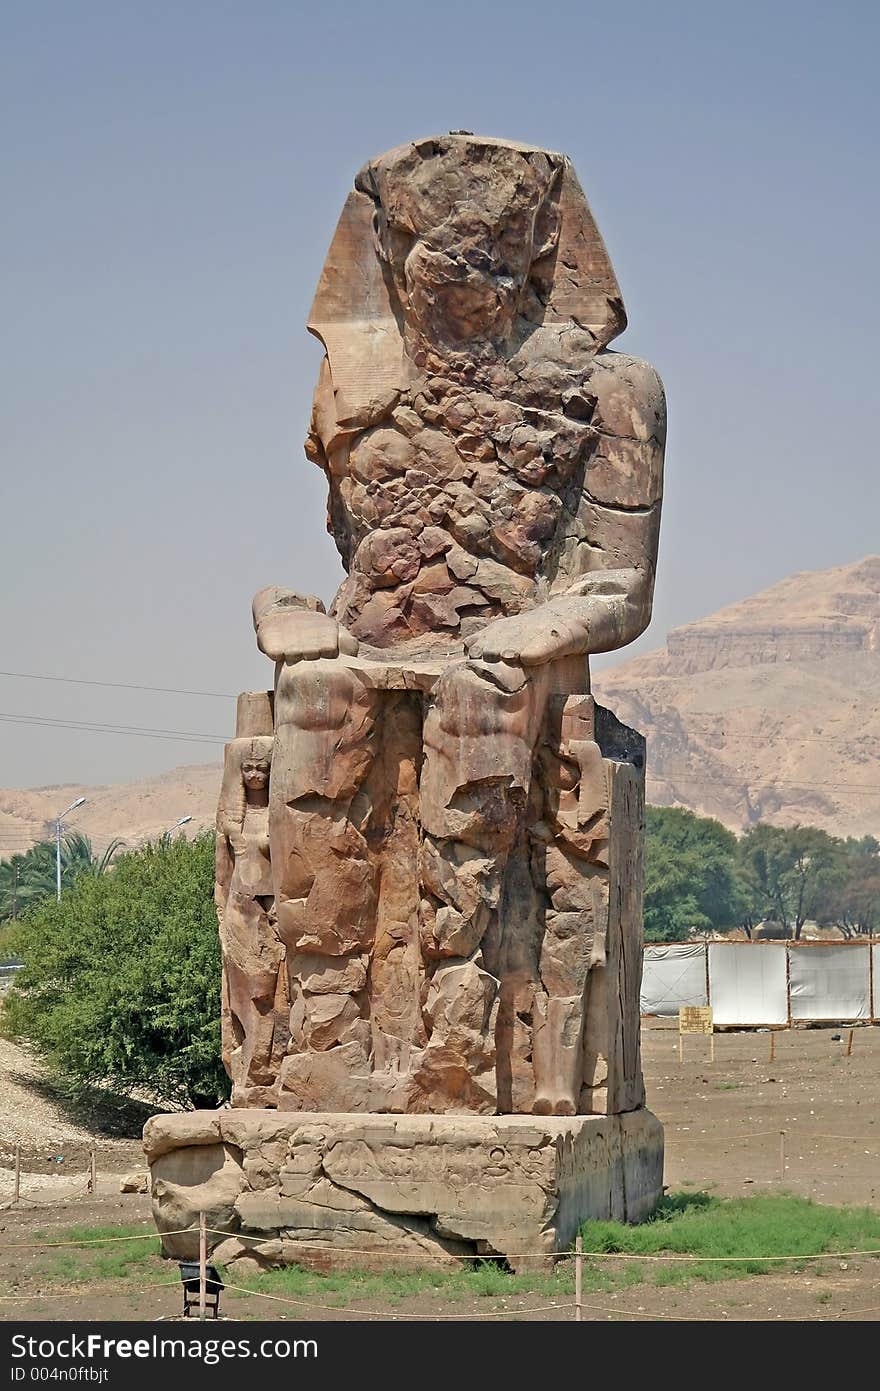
(830, 981)
(673, 976)
(875, 957)
(747, 983)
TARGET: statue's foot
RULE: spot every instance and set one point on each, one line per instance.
(544, 1105)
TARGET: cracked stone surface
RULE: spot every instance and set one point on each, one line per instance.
(415, 1191)
(429, 854)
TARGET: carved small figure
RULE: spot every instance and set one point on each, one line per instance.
(255, 1006)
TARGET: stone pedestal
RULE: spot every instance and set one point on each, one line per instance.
(377, 1191)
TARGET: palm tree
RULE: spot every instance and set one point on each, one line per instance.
(28, 879)
(78, 856)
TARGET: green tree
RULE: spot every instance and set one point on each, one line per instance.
(790, 872)
(27, 879)
(121, 979)
(851, 902)
(692, 880)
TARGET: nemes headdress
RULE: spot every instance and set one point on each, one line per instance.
(354, 312)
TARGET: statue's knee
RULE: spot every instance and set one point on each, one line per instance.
(469, 702)
(320, 695)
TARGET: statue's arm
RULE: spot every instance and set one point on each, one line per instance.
(601, 566)
(607, 551)
(224, 864)
(291, 626)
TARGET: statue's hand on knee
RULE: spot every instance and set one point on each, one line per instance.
(292, 627)
(529, 639)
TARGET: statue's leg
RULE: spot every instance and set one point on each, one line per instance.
(255, 1034)
(479, 740)
(323, 874)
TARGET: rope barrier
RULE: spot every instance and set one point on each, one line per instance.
(749, 1135)
(390, 1317)
(516, 1312)
(556, 1255)
(792, 1134)
(81, 1290)
(849, 1314)
(668, 1126)
(386, 1316)
(819, 1135)
(383, 1314)
(95, 1240)
(504, 1313)
(724, 1260)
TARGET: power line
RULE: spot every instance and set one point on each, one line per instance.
(116, 685)
(746, 782)
(101, 727)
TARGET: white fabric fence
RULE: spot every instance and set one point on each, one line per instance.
(830, 982)
(674, 976)
(764, 983)
(747, 987)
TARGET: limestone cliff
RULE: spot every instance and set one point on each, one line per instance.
(768, 709)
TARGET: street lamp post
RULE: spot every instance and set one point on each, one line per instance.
(58, 820)
(171, 829)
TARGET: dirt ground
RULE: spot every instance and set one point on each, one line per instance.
(723, 1121)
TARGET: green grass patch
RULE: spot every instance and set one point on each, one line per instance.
(485, 1279)
(684, 1224)
(697, 1224)
(94, 1260)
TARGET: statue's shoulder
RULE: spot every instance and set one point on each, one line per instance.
(630, 398)
(555, 355)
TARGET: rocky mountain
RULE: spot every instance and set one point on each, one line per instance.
(135, 811)
(769, 709)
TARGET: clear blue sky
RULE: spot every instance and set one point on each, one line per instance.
(172, 173)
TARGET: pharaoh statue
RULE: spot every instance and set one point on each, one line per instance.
(448, 853)
(429, 840)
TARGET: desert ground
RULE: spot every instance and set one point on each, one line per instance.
(723, 1121)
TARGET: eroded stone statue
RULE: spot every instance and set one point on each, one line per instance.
(494, 476)
(454, 829)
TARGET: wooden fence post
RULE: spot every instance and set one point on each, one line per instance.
(93, 1173)
(203, 1264)
(782, 1154)
(849, 1043)
(578, 1277)
(17, 1173)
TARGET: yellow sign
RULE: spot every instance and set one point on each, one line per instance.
(695, 1019)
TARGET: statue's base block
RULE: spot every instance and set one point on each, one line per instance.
(332, 1191)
